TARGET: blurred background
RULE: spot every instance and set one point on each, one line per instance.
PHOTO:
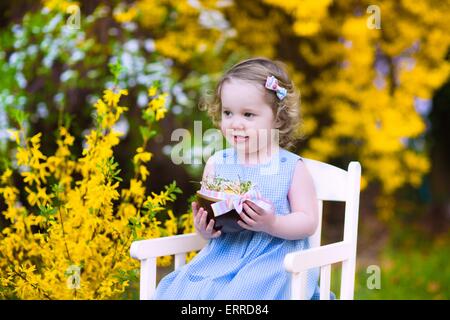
(374, 82)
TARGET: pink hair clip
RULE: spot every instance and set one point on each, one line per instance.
(272, 84)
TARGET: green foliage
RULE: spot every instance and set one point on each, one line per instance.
(47, 211)
(410, 275)
(17, 116)
(116, 69)
(146, 132)
(412, 267)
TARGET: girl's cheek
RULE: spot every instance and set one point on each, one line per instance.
(223, 127)
(226, 131)
(225, 124)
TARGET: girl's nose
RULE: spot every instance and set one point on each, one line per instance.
(237, 124)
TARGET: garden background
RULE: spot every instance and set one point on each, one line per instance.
(91, 92)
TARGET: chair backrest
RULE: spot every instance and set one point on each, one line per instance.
(333, 184)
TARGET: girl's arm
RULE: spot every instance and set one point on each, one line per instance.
(303, 219)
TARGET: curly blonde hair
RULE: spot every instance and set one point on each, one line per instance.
(256, 70)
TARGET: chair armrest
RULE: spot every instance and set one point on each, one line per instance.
(303, 260)
(151, 248)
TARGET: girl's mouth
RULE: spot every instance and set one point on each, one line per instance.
(239, 139)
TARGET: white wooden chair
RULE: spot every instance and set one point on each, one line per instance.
(332, 184)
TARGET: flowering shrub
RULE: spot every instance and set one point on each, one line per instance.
(72, 239)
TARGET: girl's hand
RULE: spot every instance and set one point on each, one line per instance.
(256, 218)
(206, 231)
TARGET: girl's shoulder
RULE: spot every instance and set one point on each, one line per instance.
(288, 155)
(220, 155)
(227, 156)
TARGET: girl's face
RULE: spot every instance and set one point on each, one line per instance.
(247, 121)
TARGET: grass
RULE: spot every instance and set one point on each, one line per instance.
(410, 274)
(408, 271)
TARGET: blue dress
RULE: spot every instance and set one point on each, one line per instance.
(245, 265)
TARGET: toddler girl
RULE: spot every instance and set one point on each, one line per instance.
(256, 106)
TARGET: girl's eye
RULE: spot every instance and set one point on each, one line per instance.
(249, 114)
(227, 113)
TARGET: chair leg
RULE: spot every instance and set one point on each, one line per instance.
(148, 278)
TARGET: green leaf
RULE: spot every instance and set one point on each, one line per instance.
(17, 115)
(116, 69)
(57, 188)
(67, 120)
(153, 133)
(5, 163)
(157, 84)
(149, 115)
(47, 211)
(145, 132)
